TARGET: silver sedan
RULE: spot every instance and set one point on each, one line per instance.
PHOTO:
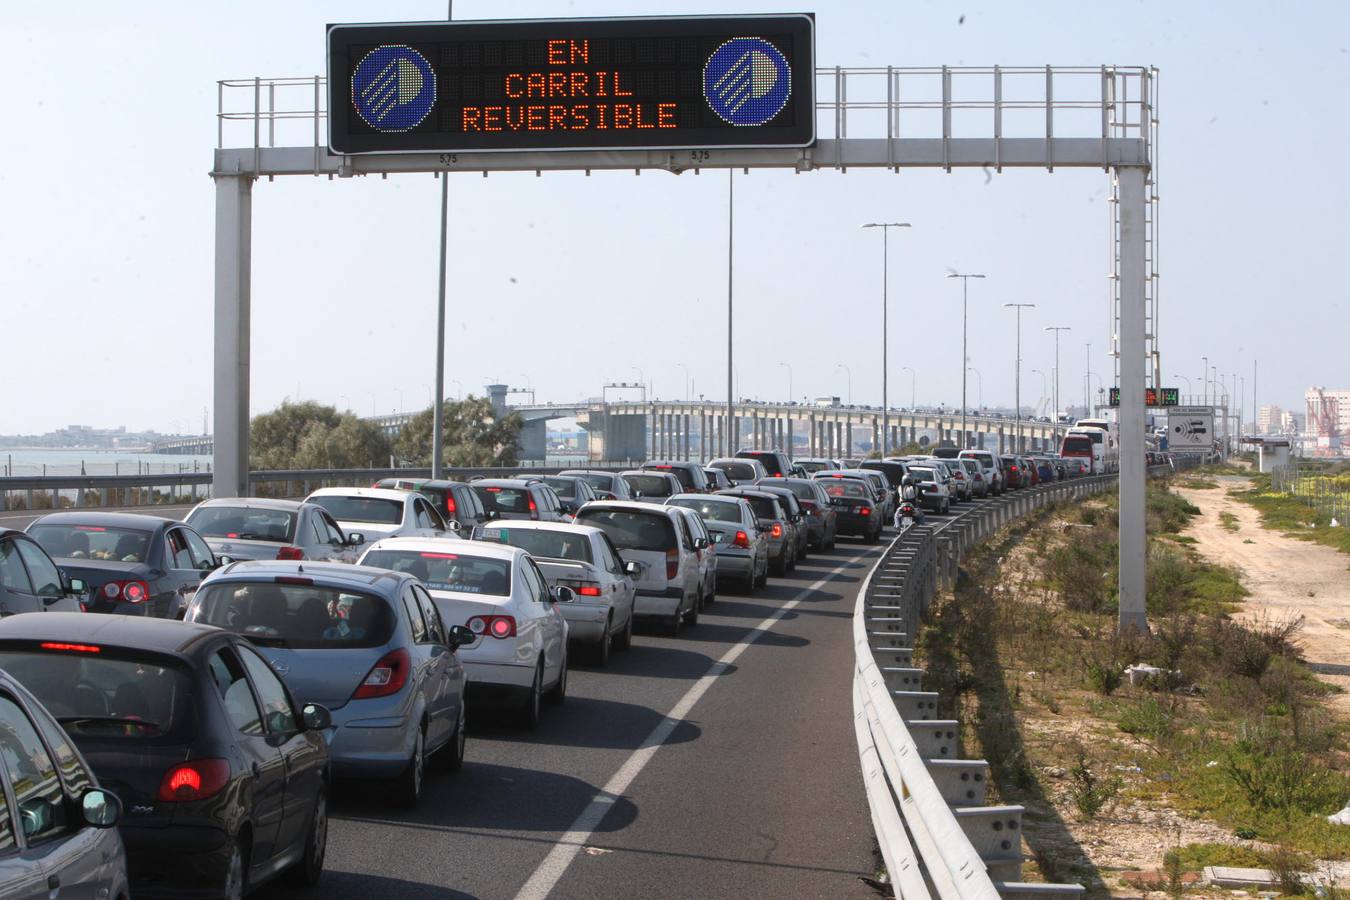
(584, 559)
(742, 548)
(254, 528)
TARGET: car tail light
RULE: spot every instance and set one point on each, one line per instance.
(500, 627)
(809, 506)
(290, 553)
(866, 510)
(741, 540)
(130, 591)
(70, 648)
(385, 677)
(776, 530)
(672, 563)
(534, 510)
(450, 504)
(196, 779)
(293, 579)
(588, 590)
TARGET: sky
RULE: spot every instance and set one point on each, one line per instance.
(563, 282)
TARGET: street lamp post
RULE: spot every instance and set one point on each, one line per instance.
(1204, 376)
(1017, 375)
(1087, 384)
(849, 373)
(1056, 329)
(885, 328)
(1045, 387)
(912, 379)
(1189, 390)
(731, 230)
(965, 284)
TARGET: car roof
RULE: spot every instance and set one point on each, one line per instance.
(747, 492)
(383, 493)
(670, 462)
(421, 482)
(776, 480)
(631, 505)
(506, 482)
(114, 519)
(443, 545)
(256, 503)
(170, 636)
(353, 576)
(645, 472)
(528, 525)
(701, 498)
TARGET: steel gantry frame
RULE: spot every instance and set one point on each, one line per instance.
(891, 118)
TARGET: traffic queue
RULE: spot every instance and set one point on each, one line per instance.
(177, 717)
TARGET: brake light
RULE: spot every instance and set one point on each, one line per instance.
(742, 540)
(439, 555)
(866, 510)
(776, 530)
(70, 648)
(494, 626)
(130, 591)
(90, 528)
(385, 677)
(450, 504)
(534, 510)
(672, 564)
(290, 553)
(588, 590)
(196, 779)
(493, 490)
(293, 579)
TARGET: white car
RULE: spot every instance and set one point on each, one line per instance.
(669, 582)
(585, 560)
(519, 658)
(933, 491)
(377, 513)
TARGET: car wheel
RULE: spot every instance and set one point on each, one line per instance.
(600, 653)
(691, 617)
(306, 871)
(558, 693)
(791, 558)
(414, 774)
(451, 756)
(625, 639)
(529, 712)
(236, 873)
(946, 507)
(778, 568)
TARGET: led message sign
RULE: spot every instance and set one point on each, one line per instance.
(1152, 396)
(693, 82)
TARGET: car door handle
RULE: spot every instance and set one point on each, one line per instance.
(53, 882)
(257, 771)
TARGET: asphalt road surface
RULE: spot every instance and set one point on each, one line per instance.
(721, 763)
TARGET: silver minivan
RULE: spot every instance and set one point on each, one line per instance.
(64, 836)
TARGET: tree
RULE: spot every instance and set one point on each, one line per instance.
(473, 436)
(313, 436)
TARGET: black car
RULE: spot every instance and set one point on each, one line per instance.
(690, 474)
(857, 510)
(572, 490)
(223, 778)
(455, 500)
(775, 462)
(132, 564)
(519, 498)
(717, 479)
(30, 581)
(607, 485)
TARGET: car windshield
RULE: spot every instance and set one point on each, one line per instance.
(768, 460)
(376, 510)
(632, 530)
(105, 692)
(650, 485)
(566, 488)
(244, 523)
(738, 471)
(919, 474)
(800, 489)
(298, 616)
(540, 542)
(712, 510)
(503, 499)
(1075, 445)
(811, 465)
(448, 571)
(104, 542)
(684, 475)
(845, 487)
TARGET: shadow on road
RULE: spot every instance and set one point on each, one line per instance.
(647, 660)
(352, 884)
(735, 634)
(587, 722)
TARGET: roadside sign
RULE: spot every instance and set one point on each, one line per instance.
(1190, 427)
(1153, 397)
(674, 83)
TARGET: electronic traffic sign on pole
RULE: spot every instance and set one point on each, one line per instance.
(677, 83)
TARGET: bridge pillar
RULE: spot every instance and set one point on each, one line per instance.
(1001, 448)
(532, 443)
(685, 417)
(791, 445)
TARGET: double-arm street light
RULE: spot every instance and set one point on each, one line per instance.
(885, 329)
(965, 285)
(1188, 386)
(1056, 329)
(1017, 375)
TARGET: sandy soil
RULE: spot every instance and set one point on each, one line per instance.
(1287, 577)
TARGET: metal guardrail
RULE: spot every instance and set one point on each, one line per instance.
(936, 836)
(46, 492)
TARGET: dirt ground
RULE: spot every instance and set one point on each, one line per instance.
(1287, 577)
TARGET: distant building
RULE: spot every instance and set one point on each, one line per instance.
(1328, 419)
(1270, 420)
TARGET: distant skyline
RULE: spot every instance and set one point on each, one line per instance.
(106, 258)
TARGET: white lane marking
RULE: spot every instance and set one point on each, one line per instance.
(551, 870)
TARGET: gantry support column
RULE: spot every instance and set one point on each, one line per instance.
(1132, 414)
(234, 251)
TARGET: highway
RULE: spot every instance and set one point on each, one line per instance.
(721, 763)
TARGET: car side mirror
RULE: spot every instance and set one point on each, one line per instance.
(564, 594)
(226, 560)
(701, 544)
(76, 586)
(355, 539)
(632, 568)
(453, 525)
(460, 635)
(492, 514)
(569, 508)
(100, 808)
(316, 717)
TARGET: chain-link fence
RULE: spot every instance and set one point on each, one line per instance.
(1325, 487)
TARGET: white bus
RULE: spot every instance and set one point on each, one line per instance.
(1093, 439)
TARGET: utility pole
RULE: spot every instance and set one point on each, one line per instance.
(438, 411)
(965, 359)
(731, 220)
(1017, 375)
(1057, 329)
(885, 327)
(1087, 384)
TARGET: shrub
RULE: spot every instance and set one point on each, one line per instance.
(1148, 718)
(1272, 775)
(1088, 792)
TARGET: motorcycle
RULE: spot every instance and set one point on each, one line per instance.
(907, 516)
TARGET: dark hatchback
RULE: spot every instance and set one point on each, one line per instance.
(455, 500)
(222, 777)
(822, 520)
(132, 564)
(30, 580)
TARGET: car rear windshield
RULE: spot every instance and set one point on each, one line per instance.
(1076, 445)
(712, 510)
(376, 510)
(684, 475)
(565, 488)
(984, 459)
(738, 471)
(809, 466)
(299, 616)
(544, 542)
(243, 523)
(764, 507)
(845, 487)
(596, 480)
(800, 489)
(919, 474)
(768, 460)
(503, 499)
(448, 571)
(894, 472)
(105, 692)
(104, 542)
(632, 530)
(649, 485)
